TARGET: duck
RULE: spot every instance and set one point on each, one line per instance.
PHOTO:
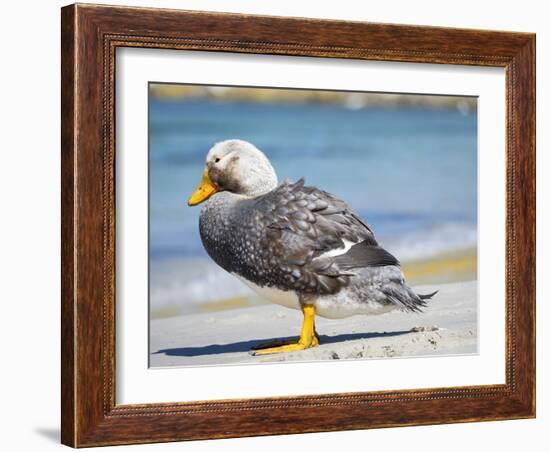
(294, 245)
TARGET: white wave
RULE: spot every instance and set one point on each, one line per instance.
(184, 283)
(430, 242)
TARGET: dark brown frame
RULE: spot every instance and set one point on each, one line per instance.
(90, 35)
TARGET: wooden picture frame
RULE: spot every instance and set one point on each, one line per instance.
(90, 36)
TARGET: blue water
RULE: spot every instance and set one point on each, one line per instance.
(410, 172)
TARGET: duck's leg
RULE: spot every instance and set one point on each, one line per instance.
(308, 336)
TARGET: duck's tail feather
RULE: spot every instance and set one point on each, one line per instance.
(427, 296)
(407, 299)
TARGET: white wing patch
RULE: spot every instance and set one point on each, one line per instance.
(338, 251)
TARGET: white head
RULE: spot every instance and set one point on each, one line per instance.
(236, 166)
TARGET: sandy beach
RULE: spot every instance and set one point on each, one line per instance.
(447, 326)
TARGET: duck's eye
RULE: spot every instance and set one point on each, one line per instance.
(217, 160)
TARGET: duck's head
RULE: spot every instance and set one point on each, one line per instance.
(235, 166)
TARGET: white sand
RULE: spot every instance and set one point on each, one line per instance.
(447, 326)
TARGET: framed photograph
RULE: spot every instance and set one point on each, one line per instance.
(282, 225)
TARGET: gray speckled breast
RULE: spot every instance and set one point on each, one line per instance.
(230, 231)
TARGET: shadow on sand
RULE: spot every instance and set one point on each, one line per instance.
(245, 346)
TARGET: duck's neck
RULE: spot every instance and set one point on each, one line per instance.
(219, 208)
(259, 187)
(222, 199)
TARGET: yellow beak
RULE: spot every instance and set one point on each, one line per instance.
(205, 189)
